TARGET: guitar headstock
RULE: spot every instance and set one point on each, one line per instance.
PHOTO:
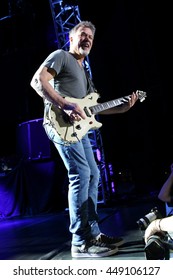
(141, 95)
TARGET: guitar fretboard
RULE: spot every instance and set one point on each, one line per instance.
(110, 104)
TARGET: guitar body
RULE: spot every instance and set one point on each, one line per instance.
(72, 132)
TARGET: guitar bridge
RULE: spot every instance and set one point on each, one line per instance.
(66, 118)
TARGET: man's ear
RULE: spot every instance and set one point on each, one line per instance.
(71, 39)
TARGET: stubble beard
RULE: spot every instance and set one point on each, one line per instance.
(84, 52)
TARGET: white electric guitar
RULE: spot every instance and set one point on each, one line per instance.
(73, 131)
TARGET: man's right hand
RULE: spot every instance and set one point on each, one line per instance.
(74, 111)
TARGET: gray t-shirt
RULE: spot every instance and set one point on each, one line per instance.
(70, 79)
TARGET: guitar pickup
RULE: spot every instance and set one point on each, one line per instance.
(87, 112)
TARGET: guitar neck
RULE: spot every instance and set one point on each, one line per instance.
(109, 104)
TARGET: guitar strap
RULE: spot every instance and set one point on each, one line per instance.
(90, 85)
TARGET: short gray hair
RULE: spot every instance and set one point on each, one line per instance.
(83, 23)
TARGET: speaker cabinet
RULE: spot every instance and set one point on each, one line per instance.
(32, 141)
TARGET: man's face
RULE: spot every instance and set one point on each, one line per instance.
(81, 42)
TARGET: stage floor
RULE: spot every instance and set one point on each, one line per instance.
(46, 236)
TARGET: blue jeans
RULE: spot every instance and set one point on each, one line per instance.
(83, 175)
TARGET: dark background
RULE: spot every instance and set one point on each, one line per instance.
(132, 50)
